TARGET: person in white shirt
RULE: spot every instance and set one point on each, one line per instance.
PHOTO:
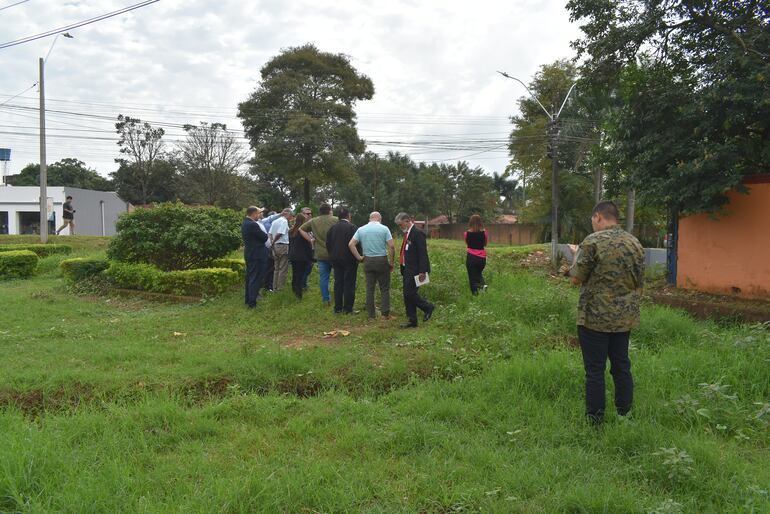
(279, 239)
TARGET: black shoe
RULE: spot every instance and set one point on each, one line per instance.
(429, 313)
(411, 324)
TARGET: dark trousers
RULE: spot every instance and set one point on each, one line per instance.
(298, 269)
(345, 275)
(596, 348)
(269, 270)
(307, 274)
(255, 276)
(412, 298)
(475, 266)
(377, 272)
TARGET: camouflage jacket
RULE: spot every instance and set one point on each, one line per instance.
(610, 265)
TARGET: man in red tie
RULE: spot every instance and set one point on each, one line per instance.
(414, 263)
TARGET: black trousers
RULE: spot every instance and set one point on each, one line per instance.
(412, 298)
(255, 276)
(345, 276)
(596, 348)
(298, 269)
(269, 271)
(475, 266)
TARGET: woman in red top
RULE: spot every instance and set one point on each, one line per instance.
(476, 238)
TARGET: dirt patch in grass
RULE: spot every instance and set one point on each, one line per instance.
(713, 307)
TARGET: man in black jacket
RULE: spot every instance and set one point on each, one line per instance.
(254, 253)
(345, 265)
(414, 263)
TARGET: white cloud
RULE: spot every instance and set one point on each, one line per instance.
(433, 65)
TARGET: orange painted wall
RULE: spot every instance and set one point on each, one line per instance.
(731, 254)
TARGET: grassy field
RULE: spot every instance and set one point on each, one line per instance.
(116, 405)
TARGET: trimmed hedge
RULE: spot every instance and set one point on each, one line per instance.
(18, 264)
(82, 268)
(196, 282)
(237, 265)
(40, 250)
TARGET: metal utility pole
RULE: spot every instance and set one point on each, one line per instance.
(374, 191)
(630, 209)
(43, 168)
(43, 165)
(554, 136)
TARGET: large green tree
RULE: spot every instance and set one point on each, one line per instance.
(66, 172)
(211, 162)
(693, 83)
(142, 147)
(301, 119)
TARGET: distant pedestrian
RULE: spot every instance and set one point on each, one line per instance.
(279, 239)
(266, 222)
(378, 257)
(415, 264)
(68, 217)
(476, 239)
(307, 212)
(319, 227)
(254, 253)
(343, 262)
(300, 255)
(609, 267)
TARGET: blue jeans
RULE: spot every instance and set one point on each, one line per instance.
(307, 274)
(324, 270)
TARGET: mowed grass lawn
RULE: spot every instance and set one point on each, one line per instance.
(122, 405)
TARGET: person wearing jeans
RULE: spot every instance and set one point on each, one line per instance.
(315, 231)
(476, 238)
(344, 263)
(609, 267)
(378, 250)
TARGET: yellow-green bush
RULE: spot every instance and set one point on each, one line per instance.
(82, 268)
(195, 282)
(40, 250)
(18, 264)
(237, 265)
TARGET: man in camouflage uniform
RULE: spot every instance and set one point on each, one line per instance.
(609, 267)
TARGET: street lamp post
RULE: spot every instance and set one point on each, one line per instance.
(43, 164)
(553, 127)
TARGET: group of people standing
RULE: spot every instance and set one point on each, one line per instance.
(608, 266)
(273, 242)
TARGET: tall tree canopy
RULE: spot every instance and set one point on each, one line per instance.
(211, 161)
(301, 120)
(142, 147)
(693, 83)
(66, 172)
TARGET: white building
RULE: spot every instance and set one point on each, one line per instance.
(95, 211)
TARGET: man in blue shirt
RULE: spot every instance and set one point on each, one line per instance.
(266, 222)
(378, 255)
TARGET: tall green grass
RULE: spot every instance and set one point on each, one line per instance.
(111, 405)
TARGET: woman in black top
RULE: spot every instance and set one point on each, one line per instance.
(300, 255)
(476, 238)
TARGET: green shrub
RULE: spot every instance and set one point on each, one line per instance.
(237, 265)
(18, 264)
(82, 268)
(173, 236)
(40, 250)
(143, 277)
(197, 282)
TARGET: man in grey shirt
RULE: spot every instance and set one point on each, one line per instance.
(378, 255)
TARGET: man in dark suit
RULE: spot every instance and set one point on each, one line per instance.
(254, 253)
(343, 262)
(414, 262)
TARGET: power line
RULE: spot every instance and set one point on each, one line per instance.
(76, 25)
(11, 5)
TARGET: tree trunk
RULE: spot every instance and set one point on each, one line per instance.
(598, 185)
(630, 208)
(306, 191)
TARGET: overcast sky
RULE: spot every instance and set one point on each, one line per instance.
(432, 62)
